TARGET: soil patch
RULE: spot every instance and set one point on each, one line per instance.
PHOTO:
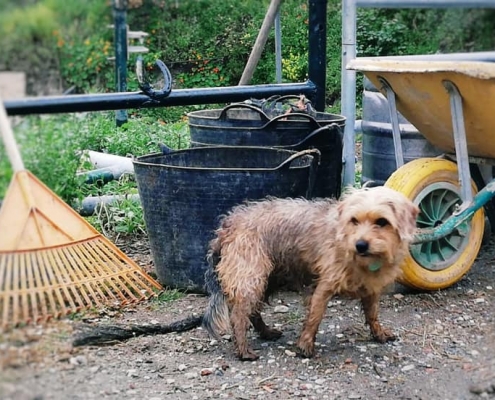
(445, 350)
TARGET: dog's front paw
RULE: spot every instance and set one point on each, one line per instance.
(384, 335)
(305, 348)
(248, 355)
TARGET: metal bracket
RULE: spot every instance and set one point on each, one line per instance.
(147, 88)
(460, 143)
(394, 119)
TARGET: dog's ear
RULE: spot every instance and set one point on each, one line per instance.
(408, 214)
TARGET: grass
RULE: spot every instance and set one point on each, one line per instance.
(166, 296)
(51, 148)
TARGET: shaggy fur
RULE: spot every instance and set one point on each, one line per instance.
(352, 247)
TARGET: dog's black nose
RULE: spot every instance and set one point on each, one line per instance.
(362, 246)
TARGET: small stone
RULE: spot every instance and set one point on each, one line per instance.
(170, 381)
(78, 360)
(306, 386)
(95, 369)
(132, 373)
(354, 396)
(479, 300)
(398, 296)
(190, 375)
(290, 353)
(206, 372)
(281, 309)
(182, 367)
(408, 367)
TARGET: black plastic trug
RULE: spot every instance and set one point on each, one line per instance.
(184, 193)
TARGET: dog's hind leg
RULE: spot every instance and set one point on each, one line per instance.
(264, 330)
(370, 307)
(242, 308)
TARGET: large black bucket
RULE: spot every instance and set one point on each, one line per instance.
(184, 192)
(246, 125)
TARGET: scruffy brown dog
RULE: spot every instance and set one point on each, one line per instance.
(351, 247)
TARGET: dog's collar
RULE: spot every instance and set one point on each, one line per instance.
(375, 266)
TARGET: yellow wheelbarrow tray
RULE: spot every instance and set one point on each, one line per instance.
(451, 104)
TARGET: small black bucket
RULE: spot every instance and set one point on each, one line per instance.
(242, 124)
(184, 192)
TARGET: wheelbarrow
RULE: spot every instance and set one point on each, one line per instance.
(452, 105)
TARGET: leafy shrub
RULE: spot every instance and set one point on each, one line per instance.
(51, 146)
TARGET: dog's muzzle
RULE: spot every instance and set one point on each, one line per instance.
(362, 247)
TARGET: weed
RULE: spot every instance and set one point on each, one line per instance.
(292, 317)
(166, 296)
(123, 217)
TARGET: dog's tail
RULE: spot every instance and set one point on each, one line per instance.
(216, 319)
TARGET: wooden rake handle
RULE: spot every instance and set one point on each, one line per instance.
(9, 140)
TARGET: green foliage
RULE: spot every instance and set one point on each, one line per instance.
(203, 73)
(204, 44)
(122, 217)
(49, 149)
(166, 297)
(207, 44)
(381, 32)
(83, 62)
(51, 145)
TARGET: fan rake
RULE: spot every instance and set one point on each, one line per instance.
(53, 262)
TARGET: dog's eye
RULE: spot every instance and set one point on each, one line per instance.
(381, 222)
(354, 221)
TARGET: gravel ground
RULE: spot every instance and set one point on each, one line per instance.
(445, 350)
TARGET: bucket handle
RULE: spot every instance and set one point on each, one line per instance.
(223, 114)
(316, 132)
(271, 102)
(311, 152)
(312, 168)
(290, 116)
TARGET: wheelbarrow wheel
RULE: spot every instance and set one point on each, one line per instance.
(433, 185)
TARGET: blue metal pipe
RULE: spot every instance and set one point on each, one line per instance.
(120, 44)
(179, 97)
(317, 50)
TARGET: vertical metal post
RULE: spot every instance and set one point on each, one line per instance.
(348, 89)
(120, 43)
(317, 50)
(278, 48)
(460, 141)
(394, 119)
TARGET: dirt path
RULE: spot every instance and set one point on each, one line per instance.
(446, 350)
